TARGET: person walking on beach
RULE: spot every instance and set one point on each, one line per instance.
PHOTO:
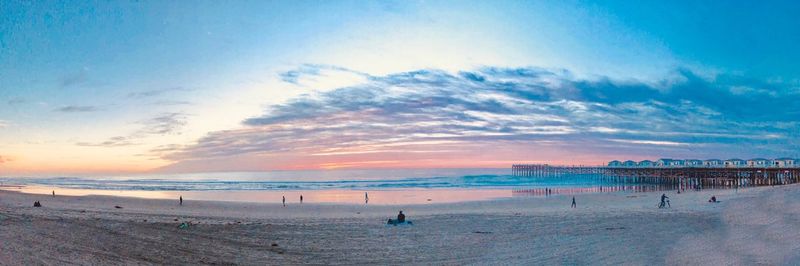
(664, 201)
(54, 193)
(301, 199)
(573, 202)
(366, 198)
(284, 201)
(180, 200)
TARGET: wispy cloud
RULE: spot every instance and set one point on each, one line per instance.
(16, 101)
(167, 123)
(163, 124)
(111, 142)
(74, 79)
(525, 108)
(154, 93)
(77, 109)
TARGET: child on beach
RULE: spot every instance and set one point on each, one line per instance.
(573, 202)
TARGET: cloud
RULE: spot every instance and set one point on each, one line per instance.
(519, 109)
(117, 141)
(16, 101)
(323, 77)
(73, 79)
(154, 93)
(171, 103)
(163, 124)
(3, 124)
(76, 109)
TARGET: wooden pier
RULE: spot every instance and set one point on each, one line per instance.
(682, 177)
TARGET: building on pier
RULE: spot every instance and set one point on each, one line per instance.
(663, 162)
(614, 163)
(735, 162)
(693, 163)
(645, 163)
(784, 162)
(629, 163)
(758, 162)
(713, 163)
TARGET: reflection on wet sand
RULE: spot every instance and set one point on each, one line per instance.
(380, 197)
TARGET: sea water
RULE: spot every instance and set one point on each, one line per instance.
(386, 186)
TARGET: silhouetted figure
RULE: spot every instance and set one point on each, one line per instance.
(401, 218)
(180, 200)
(664, 201)
(284, 201)
(713, 199)
(366, 198)
(301, 199)
(37, 204)
(54, 193)
(573, 203)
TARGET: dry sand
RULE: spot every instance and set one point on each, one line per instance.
(749, 226)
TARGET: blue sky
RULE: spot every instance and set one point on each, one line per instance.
(196, 86)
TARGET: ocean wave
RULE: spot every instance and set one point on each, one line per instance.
(458, 181)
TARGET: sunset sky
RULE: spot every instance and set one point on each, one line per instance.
(193, 86)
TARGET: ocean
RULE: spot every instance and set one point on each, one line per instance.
(387, 186)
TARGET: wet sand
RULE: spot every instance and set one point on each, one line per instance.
(749, 226)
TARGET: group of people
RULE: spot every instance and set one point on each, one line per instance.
(283, 199)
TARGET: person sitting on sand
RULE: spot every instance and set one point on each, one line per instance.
(401, 219)
(713, 199)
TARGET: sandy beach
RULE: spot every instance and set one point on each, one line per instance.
(750, 226)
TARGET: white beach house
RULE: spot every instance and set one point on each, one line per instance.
(735, 163)
(784, 162)
(758, 162)
(693, 163)
(646, 163)
(663, 162)
(713, 163)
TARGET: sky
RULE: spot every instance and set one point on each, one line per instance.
(196, 86)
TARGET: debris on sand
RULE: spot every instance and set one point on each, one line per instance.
(118, 207)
